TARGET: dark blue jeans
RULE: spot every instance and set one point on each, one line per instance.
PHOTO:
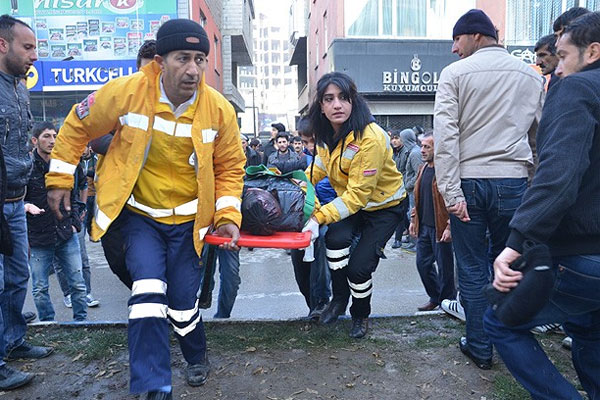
(229, 274)
(491, 204)
(575, 303)
(14, 274)
(438, 283)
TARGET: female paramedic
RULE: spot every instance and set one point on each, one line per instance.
(356, 155)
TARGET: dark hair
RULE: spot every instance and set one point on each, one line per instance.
(279, 126)
(426, 134)
(584, 30)
(282, 135)
(296, 139)
(254, 142)
(359, 118)
(549, 41)
(147, 50)
(7, 24)
(567, 17)
(303, 127)
(40, 127)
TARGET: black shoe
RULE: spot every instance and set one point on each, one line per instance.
(160, 395)
(360, 327)
(480, 363)
(29, 316)
(13, 378)
(196, 374)
(316, 312)
(25, 350)
(397, 244)
(332, 312)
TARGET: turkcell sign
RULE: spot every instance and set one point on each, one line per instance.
(83, 75)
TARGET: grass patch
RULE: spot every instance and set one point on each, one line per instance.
(506, 388)
(436, 341)
(92, 344)
(267, 335)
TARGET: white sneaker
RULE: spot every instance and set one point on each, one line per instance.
(546, 328)
(91, 301)
(67, 301)
(454, 308)
(567, 343)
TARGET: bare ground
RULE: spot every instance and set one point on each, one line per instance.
(402, 358)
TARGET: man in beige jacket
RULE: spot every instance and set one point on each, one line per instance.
(486, 112)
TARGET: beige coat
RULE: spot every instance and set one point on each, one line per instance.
(486, 111)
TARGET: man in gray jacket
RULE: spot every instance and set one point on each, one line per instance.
(17, 54)
(413, 164)
(485, 116)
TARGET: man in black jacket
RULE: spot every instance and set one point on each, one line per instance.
(17, 54)
(562, 210)
(271, 147)
(285, 159)
(49, 237)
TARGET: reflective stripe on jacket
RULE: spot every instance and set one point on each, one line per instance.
(126, 105)
(362, 172)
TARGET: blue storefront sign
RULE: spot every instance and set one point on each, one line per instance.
(51, 76)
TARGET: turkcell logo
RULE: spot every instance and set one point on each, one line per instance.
(81, 75)
(92, 6)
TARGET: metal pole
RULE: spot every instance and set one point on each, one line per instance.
(254, 113)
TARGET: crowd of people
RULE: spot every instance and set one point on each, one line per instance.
(512, 162)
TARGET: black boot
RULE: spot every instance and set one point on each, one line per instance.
(360, 327)
(332, 312)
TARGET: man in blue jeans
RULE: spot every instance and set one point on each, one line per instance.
(229, 275)
(485, 115)
(17, 54)
(562, 210)
(49, 237)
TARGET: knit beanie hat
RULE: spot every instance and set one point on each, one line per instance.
(474, 21)
(181, 34)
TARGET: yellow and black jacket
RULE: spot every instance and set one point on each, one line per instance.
(362, 172)
(129, 106)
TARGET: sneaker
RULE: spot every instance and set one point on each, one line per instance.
(360, 327)
(67, 301)
(546, 328)
(479, 362)
(160, 395)
(397, 244)
(567, 343)
(91, 301)
(11, 378)
(409, 248)
(29, 316)
(197, 374)
(405, 238)
(25, 350)
(454, 308)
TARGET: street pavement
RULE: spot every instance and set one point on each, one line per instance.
(268, 290)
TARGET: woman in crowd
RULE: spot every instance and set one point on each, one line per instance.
(356, 155)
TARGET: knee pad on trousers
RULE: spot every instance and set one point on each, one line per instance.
(338, 259)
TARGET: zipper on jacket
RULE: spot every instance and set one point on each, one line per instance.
(20, 110)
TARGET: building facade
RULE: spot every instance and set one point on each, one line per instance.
(83, 44)
(396, 49)
(269, 87)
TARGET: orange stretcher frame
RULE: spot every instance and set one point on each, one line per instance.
(279, 240)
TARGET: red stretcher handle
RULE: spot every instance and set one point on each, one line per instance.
(279, 240)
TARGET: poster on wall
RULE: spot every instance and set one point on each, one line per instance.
(91, 29)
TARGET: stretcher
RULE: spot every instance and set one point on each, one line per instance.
(279, 240)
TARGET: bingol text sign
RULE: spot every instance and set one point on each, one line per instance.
(412, 79)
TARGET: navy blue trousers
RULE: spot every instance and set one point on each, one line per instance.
(165, 270)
